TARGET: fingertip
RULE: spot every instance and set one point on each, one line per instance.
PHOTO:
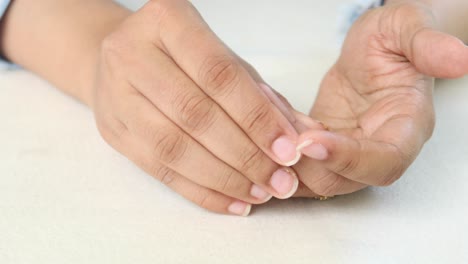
(315, 151)
(457, 57)
(284, 149)
(321, 144)
(239, 208)
(440, 55)
(293, 189)
(304, 122)
(285, 182)
(314, 135)
(247, 210)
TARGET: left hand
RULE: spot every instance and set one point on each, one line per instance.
(377, 101)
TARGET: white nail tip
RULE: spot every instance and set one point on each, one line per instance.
(304, 144)
(293, 190)
(268, 198)
(247, 210)
(294, 161)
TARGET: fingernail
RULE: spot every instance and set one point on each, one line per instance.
(285, 150)
(314, 150)
(240, 208)
(257, 192)
(304, 144)
(284, 181)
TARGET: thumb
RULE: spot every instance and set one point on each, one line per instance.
(436, 54)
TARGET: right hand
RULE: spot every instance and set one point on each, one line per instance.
(175, 100)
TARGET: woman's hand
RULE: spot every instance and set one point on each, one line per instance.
(377, 100)
(175, 100)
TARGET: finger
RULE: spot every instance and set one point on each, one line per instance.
(216, 70)
(206, 198)
(300, 121)
(319, 179)
(322, 181)
(199, 195)
(305, 192)
(435, 53)
(316, 180)
(168, 144)
(365, 161)
(118, 136)
(277, 99)
(181, 100)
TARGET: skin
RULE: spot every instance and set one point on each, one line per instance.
(166, 93)
(377, 98)
(169, 107)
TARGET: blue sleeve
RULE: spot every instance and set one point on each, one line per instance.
(3, 7)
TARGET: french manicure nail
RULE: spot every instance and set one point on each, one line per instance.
(315, 151)
(304, 144)
(284, 181)
(240, 208)
(259, 193)
(285, 150)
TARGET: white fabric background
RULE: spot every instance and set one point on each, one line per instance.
(67, 197)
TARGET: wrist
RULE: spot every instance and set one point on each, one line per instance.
(88, 61)
(60, 40)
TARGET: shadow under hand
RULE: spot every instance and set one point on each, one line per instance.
(356, 201)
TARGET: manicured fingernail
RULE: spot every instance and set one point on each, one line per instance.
(285, 182)
(315, 151)
(240, 208)
(304, 144)
(285, 150)
(257, 192)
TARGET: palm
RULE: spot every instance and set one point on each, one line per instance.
(373, 93)
(374, 103)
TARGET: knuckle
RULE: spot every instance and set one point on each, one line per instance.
(159, 7)
(219, 74)
(115, 51)
(258, 118)
(328, 185)
(252, 162)
(203, 199)
(169, 147)
(350, 164)
(400, 163)
(222, 184)
(397, 170)
(228, 183)
(111, 131)
(196, 113)
(164, 174)
(113, 45)
(388, 180)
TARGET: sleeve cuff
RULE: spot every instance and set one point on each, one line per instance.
(5, 65)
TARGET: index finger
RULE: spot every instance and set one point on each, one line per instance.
(186, 38)
(369, 161)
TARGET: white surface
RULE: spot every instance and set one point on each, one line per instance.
(66, 197)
